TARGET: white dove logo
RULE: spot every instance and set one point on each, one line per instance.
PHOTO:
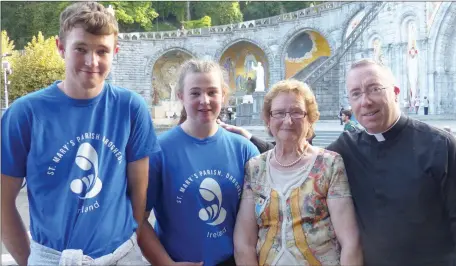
(87, 186)
(210, 191)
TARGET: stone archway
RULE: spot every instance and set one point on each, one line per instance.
(443, 94)
(265, 51)
(292, 36)
(164, 75)
(302, 49)
(239, 61)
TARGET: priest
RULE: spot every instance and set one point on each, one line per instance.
(402, 175)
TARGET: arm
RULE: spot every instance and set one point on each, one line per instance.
(15, 146)
(14, 235)
(142, 142)
(138, 180)
(262, 145)
(449, 185)
(150, 245)
(342, 214)
(246, 231)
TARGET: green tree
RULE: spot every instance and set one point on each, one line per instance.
(220, 12)
(7, 44)
(133, 16)
(199, 23)
(37, 67)
(255, 10)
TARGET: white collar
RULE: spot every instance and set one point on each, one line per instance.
(379, 136)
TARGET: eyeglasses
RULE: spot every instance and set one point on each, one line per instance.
(373, 91)
(293, 114)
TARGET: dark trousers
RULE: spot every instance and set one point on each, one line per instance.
(426, 110)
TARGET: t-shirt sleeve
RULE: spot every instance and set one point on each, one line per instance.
(251, 151)
(338, 183)
(143, 140)
(155, 180)
(16, 137)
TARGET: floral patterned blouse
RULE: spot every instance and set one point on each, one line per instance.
(297, 223)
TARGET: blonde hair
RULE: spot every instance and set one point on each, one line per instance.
(199, 66)
(91, 16)
(302, 91)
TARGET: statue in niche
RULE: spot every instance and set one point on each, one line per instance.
(259, 85)
(377, 45)
(172, 86)
(412, 62)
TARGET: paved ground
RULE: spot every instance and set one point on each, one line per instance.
(322, 128)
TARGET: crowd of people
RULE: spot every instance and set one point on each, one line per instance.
(383, 195)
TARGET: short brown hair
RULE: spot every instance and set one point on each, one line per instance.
(91, 16)
(301, 90)
(199, 66)
(347, 113)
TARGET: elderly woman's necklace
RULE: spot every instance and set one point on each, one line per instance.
(292, 163)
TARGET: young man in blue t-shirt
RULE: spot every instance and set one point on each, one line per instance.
(83, 146)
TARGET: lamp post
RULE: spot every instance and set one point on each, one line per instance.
(6, 71)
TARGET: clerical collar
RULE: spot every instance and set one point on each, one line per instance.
(390, 133)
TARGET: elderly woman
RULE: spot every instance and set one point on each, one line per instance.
(296, 206)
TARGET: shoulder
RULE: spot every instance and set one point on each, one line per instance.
(170, 137)
(126, 96)
(430, 134)
(27, 103)
(244, 144)
(343, 141)
(256, 164)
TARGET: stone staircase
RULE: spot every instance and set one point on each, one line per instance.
(329, 63)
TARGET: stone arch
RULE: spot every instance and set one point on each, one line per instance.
(162, 81)
(347, 22)
(443, 24)
(266, 51)
(229, 42)
(403, 23)
(152, 60)
(443, 88)
(295, 32)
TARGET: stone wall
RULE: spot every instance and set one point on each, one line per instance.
(139, 52)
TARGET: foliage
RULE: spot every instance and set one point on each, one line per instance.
(176, 9)
(220, 12)
(133, 14)
(37, 67)
(7, 44)
(200, 23)
(255, 10)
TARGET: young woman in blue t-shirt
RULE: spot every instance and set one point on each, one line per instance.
(196, 181)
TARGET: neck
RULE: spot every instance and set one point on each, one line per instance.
(199, 131)
(75, 91)
(288, 151)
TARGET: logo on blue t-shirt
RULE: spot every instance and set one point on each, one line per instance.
(214, 213)
(87, 186)
(210, 204)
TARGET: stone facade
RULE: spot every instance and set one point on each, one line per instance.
(139, 52)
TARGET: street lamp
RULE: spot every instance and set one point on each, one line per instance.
(6, 71)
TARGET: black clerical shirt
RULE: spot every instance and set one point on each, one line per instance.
(404, 191)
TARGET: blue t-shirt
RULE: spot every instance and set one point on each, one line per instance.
(194, 187)
(74, 155)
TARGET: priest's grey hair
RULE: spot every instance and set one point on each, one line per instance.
(369, 61)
